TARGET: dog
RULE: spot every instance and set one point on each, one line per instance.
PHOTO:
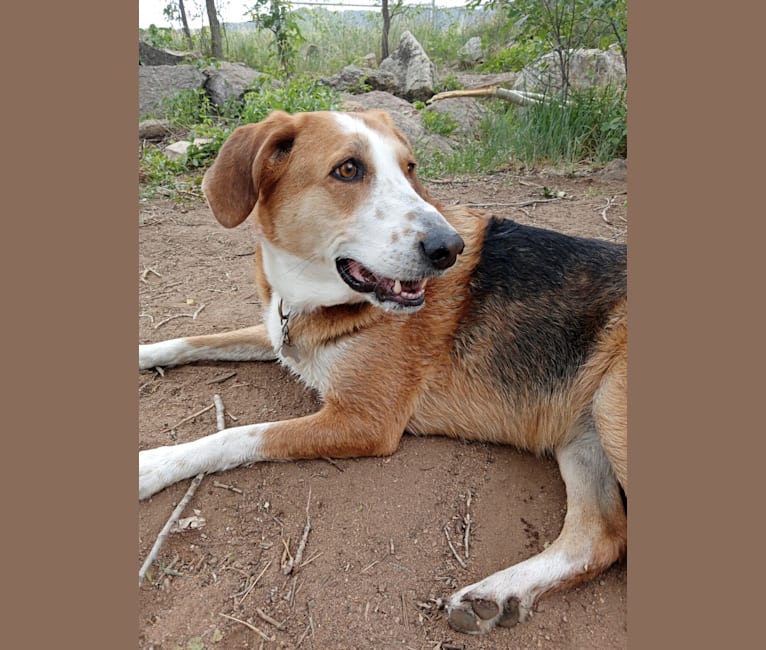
(407, 315)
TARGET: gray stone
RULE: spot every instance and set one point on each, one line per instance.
(153, 129)
(467, 113)
(160, 82)
(354, 79)
(229, 81)
(587, 68)
(349, 78)
(149, 55)
(415, 73)
(179, 149)
(472, 52)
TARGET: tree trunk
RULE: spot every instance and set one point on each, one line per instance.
(185, 23)
(386, 28)
(216, 42)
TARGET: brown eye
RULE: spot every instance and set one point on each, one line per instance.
(410, 167)
(348, 170)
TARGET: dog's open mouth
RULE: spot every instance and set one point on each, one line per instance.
(408, 293)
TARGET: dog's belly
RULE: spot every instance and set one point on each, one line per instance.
(475, 410)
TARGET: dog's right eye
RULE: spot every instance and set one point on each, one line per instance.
(349, 170)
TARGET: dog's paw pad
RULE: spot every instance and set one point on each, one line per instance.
(463, 620)
(511, 613)
(472, 615)
(484, 608)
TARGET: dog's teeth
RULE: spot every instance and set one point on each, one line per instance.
(397, 286)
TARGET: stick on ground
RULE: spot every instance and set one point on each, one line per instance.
(289, 566)
(168, 525)
(176, 514)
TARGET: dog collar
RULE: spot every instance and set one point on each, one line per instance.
(286, 347)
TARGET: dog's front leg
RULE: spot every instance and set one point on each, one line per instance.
(336, 431)
(247, 344)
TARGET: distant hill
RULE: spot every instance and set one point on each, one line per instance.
(444, 16)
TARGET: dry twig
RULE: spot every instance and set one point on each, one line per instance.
(168, 525)
(176, 515)
(220, 422)
(289, 566)
(459, 559)
(522, 204)
(231, 488)
(269, 619)
(170, 318)
(261, 633)
(255, 582)
(221, 378)
(467, 523)
(191, 417)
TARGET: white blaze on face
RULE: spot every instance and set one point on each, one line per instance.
(390, 223)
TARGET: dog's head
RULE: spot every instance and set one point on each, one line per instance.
(342, 215)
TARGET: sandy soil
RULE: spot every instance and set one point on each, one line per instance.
(377, 560)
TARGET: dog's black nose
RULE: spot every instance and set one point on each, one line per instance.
(442, 249)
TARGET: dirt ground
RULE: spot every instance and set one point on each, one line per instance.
(377, 559)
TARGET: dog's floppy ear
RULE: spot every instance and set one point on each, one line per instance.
(246, 163)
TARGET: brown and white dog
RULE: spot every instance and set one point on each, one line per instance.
(406, 315)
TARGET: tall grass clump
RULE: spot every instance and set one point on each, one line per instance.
(591, 126)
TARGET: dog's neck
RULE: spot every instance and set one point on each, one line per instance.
(300, 326)
(303, 285)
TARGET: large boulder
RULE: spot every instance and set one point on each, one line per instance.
(150, 55)
(587, 68)
(228, 81)
(160, 82)
(415, 73)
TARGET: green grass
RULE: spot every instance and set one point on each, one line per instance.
(591, 127)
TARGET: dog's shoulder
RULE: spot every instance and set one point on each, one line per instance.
(523, 261)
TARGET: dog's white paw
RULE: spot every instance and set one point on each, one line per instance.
(157, 468)
(172, 352)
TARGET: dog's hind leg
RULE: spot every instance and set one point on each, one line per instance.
(247, 344)
(593, 537)
(610, 412)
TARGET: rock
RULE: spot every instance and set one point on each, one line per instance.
(588, 68)
(353, 79)
(615, 170)
(349, 78)
(414, 72)
(149, 55)
(153, 129)
(467, 112)
(179, 149)
(370, 60)
(229, 81)
(381, 80)
(476, 80)
(160, 82)
(472, 52)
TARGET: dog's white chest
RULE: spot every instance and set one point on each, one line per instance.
(314, 365)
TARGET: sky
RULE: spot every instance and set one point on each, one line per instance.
(233, 11)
